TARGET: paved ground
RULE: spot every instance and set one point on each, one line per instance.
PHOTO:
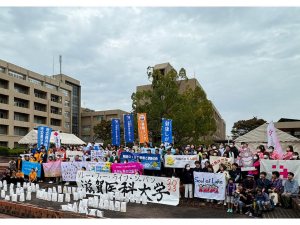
(4, 216)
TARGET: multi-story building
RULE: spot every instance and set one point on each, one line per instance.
(91, 118)
(290, 126)
(164, 68)
(29, 99)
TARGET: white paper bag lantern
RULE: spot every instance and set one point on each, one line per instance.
(29, 188)
(80, 195)
(22, 197)
(14, 197)
(25, 185)
(18, 191)
(75, 196)
(45, 196)
(70, 207)
(59, 189)
(11, 186)
(85, 203)
(68, 198)
(49, 197)
(92, 212)
(4, 182)
(75, 207)
(111, 205)
(28, 196)
(100, 214)
(123, 206)
(33, 187)
(4, 187)
(64, 207)
(49, 190)
(2, 194)
(65, 190)
(37, 187)
(144, 200)
(106, 204)
(7, 198)
(60, 197)
(18, 184)
(54, 190)
(117, 206)
(117, 196)
(69, 190)
(54, 197)
(74, 190)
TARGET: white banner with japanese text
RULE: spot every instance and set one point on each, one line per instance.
(160, 190)
(209, 185)
(216, 161)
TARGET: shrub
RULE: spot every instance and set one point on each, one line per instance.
(4, 151)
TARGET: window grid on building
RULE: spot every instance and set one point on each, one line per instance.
(35, 81)
(16, 75)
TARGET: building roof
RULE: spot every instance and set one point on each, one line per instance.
(162, 66)
(288, 120)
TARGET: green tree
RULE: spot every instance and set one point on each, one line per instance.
(191, 111)
(103, 131)
(242, 127)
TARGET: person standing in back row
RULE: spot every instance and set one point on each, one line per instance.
(188, 180)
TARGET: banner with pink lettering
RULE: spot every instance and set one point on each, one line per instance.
(282, 166)
(127, 168)
(273, 139)
(52, 169)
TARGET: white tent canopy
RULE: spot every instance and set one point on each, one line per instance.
(258, 137)
(67, 139)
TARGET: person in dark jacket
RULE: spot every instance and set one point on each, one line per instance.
(249, 183)
(188, 180)
(198, 167)
(234, 150)
(263, 183)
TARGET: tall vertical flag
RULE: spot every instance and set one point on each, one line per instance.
(142, 127)
(273, 139)
(56, 139)
(166, 130)
(128, 128)
(44, 134)
(115, 132)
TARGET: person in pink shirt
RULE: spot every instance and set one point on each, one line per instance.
(289, 153)
(260, 150)
(273, 155)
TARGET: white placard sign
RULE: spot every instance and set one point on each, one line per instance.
(179, 161)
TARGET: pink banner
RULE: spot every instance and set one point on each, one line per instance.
(127, 168)
(52, 169)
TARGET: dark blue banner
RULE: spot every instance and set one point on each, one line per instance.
(43, 138)
(115, 132)
(149, 161)
(128, 128)
(166, 136)
(27, 166)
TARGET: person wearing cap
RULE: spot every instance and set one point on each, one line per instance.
(249, 183)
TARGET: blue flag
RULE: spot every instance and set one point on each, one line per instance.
(166, 136)
(43, 138)
(115, 131)
(128, 128)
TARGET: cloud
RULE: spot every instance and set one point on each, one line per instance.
(246, 59)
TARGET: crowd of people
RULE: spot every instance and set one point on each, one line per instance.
(248, 192)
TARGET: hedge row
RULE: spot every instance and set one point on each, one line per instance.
(5, 151)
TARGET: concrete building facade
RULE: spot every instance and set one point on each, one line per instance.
(164, 68)
(290, 126)
(91, 118)
(29, 99)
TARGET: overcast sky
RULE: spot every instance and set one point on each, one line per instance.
(246, 59)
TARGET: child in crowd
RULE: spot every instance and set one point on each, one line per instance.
(230, 189)
(32, 176)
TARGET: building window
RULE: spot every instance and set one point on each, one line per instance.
(17, 75)
(21, 89)
(3, 143)
(67, 114)
(21, 103)
(3, 129)
(64, 91)
(55, 98)
(100, 118)
(40, 107)
(20, 131)
(21, 117)
(35, 81)
(40, 119)
(67, 125)
(50, 86)
(3, 114)
(55, 122)
(67, 103)
(86, 129)
(40, 94)
(56, 110)
(3, 99)
(2, 69)
(3, 84)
